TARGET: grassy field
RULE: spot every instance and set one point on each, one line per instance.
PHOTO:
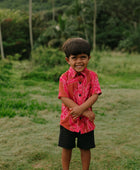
(30, 111)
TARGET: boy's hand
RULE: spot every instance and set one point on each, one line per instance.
(89, 114)
(76, 111)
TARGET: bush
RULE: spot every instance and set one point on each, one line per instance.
(5, 67)
(47, 58)
(48, 64)
(14, 57)
(132, 41)
(50, 75)
(15, 33)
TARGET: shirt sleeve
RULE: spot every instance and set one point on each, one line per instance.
(63, 89)
(95, 86)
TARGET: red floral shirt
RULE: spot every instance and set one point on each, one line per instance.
(78, 87)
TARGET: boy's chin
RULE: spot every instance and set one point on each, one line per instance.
(79, 70)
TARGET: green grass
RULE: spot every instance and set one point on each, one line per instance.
(30, 113)
(117, 70)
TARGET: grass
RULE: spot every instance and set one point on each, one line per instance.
(30, 111)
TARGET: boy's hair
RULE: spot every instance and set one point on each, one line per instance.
(75, 46)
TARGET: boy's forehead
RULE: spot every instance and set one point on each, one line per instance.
(76, 55)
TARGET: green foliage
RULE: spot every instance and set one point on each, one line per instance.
(50, 36)
(5, 73)
(48, 64)
(15, 33)
(49, 75)
(131, 42)
(14, 57)
(38, 5)
(114, 25)
(47, 57)
(11, 106)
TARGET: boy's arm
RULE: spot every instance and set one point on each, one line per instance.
(72, 105)
(68, 102)
(77, 110)
(83, 107)
(90, 114)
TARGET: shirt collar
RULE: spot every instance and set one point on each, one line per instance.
(74, 73)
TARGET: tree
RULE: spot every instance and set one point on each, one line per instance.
(1, 44)
(2, 17)
(53, 10)
(83, 18)
(30, 24)
(94, 26)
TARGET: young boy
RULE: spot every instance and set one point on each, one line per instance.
(78, 90)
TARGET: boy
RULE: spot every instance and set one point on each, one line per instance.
(78, 90)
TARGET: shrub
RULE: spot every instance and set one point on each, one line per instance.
(14, 57)
(47, 58)
(52, 74)
(48, 64)
(5, 67)
(132, 41)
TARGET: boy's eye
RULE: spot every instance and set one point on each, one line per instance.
(83, 57)
(73, 58)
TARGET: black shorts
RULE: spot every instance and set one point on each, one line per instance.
(84, 141)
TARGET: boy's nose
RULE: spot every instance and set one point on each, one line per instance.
(78, 59)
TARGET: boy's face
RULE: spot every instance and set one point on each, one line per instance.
(78, 62)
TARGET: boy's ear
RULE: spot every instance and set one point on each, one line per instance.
(67, 60)
(89, 57)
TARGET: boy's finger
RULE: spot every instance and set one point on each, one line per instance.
(74, 117)
(71, 112)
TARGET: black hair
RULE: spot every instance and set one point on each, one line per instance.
(75, 46)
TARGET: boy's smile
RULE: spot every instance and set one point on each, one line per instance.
(78, 62)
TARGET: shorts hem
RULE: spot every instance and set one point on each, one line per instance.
(92, 147)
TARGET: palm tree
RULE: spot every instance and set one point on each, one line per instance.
(30, 24)
(94, 26)
(2, 17)
(1, 44)
(53, 10)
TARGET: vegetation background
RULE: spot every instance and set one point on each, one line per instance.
(53, 21)
(29, 108)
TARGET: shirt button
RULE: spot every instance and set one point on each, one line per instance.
(79, 94)
(79, 82)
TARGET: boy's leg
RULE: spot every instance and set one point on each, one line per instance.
(66, 157)
(85, 158)
(67, 142)
(85, 143)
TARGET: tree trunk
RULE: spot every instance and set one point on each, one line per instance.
(30, 24)
(94, 26)
(1, 44)
(53, 11)
(83, 18)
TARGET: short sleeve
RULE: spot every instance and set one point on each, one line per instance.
(63, 90)
(95, 86)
